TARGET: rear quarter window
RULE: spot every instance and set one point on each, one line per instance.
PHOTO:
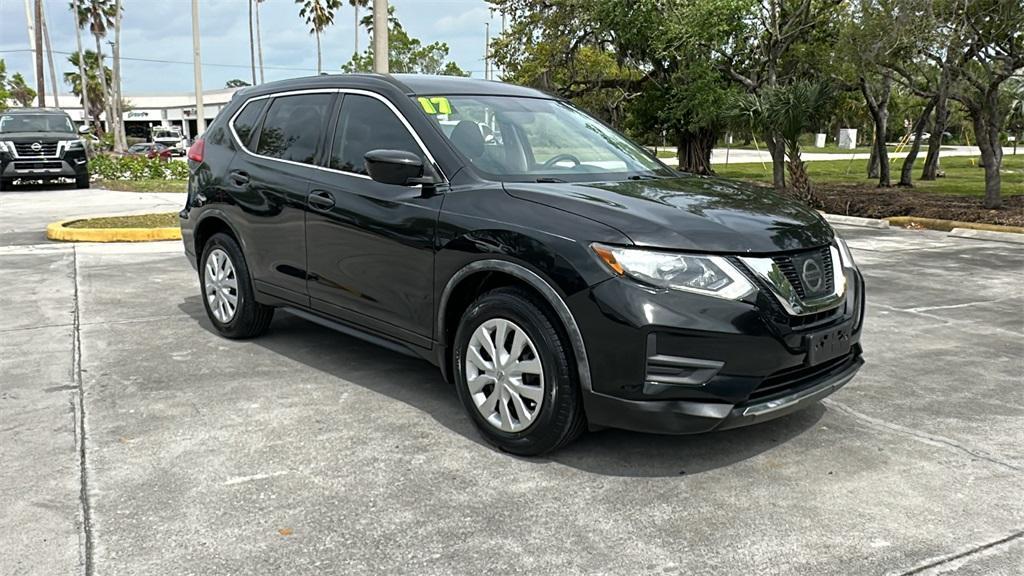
(245, 123)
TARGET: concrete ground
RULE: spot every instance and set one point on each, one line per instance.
(741, 156)
(134, 441)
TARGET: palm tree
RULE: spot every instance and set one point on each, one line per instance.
(98, 15)
(93, 98)
(319, 14)
(86, 107)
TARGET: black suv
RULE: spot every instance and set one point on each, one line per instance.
(41, 144)
(558, 274)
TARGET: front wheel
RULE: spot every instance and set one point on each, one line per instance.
(82, 182)
(515, 375)
(228, 295)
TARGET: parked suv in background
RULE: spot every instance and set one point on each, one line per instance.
(558, 274)
(41, 144)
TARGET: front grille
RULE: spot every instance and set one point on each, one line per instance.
(55, 165)
(45, 149)
(792, 266)
(794, 378)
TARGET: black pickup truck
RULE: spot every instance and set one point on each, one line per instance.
(41, 144)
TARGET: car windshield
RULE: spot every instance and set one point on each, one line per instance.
(534, 139)
(10, 123)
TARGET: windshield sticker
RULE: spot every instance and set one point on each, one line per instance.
(435, 105)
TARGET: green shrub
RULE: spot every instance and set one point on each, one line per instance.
(106, 167)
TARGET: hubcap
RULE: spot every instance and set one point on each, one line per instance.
(221, 285)
(504, 375)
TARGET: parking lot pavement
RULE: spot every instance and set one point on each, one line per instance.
(26, 210)
(309, 452)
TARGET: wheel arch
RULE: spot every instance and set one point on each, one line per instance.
(463, 287)
(209, 225)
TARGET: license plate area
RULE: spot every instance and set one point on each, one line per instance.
(828, 344)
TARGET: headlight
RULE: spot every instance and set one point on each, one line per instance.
(844, 253)
(708, 275)
(75, 145)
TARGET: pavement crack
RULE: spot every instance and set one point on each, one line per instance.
(920, 436)
(936, 563)
(76, 359)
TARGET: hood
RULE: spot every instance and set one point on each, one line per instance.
(37, 136)
(694, 213)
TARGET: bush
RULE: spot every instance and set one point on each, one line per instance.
(105, 167)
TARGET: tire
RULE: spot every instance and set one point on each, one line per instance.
(558, 417)
(82, 182)
(248, 318)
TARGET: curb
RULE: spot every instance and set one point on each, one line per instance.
(59, 231)
(949, 225)
(1012, 237)
(855, 221)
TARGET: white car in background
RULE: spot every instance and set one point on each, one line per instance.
(171, 137)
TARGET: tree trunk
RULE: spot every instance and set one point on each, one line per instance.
(879, 108)
(693, 149)
(120, 138)
(931, 162)
(259, 40)
(102, 72)
(318, 55)
(873, 161)
(798, 178)
(986, 130)
(906, 174)
(83, 79)
(777, 148)
(252, 45)
(40, 81)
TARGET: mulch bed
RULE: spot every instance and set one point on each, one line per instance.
(871, 202)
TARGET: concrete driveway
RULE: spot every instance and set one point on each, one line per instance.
(134, 441)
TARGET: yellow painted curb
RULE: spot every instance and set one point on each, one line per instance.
(59, 231)
(947, 225)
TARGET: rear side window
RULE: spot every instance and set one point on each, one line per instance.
(293, 125)
(245, 122)
(367, 124)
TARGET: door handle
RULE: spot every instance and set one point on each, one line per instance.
(239, 178)
(321, 200)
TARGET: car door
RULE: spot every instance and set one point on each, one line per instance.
(269, 180)
(370, 246)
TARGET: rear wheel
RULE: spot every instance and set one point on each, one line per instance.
(515, 375)
(228, 295)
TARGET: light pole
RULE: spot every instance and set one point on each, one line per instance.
(197, 69)
(380, 36)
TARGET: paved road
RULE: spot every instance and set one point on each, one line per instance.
(134, 441)
(740, 156)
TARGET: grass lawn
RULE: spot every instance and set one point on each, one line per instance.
(963, 176)
(160, 220)
(143, 185)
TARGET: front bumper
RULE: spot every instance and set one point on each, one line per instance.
(72, 164)
(678, 363)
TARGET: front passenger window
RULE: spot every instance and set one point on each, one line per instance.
(367, 124)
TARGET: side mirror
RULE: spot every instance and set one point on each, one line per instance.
(396, 167)
(84, 129)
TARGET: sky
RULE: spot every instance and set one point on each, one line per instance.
(161, 30)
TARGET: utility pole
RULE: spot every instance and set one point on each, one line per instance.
(487, 51)
(380, 36)
(197, 69)
(355, 29)
(252, 46)
(259, 40)
(81, 63)
(120, 138)
(40, 81)
(30, 26)
(49, 57)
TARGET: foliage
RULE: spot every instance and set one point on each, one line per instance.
(97, 95)
(20, 91)
(108, 167)
(4, 94)
(406, 55)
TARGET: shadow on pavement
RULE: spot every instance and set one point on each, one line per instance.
(419, 384)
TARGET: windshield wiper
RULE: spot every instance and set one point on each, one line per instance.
(550, 180)
(643, 177)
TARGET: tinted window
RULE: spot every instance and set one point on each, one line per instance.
(292, 127)
(367, 124)
(245, 122)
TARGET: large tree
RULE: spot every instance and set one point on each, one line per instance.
(99, 17)
(406, 55)
(318, 14)
(94, 84)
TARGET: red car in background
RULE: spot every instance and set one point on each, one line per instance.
(150, 150)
